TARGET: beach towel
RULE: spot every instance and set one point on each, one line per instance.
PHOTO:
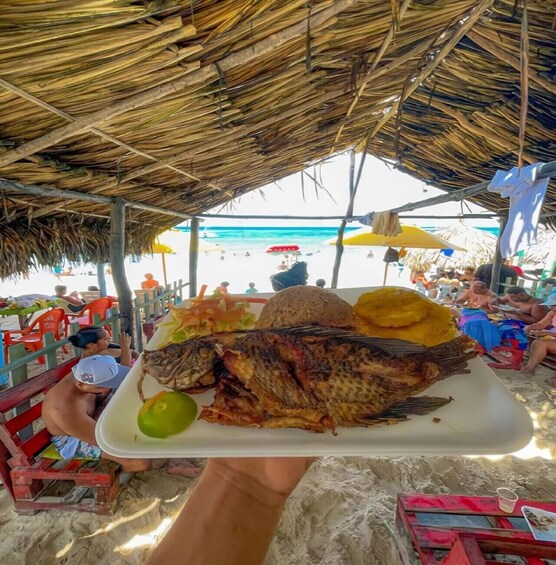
(526, 193)
(69, 447)
(513, 335)
(475, 324)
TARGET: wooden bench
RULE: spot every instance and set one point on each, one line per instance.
(36, 483)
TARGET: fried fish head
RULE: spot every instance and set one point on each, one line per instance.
(183, 366)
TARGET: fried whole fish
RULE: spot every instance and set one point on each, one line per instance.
(311, 377)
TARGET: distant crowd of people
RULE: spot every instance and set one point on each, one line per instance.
(507, 315)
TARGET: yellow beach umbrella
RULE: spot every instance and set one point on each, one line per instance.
(162, 249)
(411, 237)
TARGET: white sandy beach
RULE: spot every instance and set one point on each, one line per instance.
(339, 514)
(237, 268)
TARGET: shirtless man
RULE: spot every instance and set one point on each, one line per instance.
(477, 296)
(531, 309)
(544, 332)
(71, 408)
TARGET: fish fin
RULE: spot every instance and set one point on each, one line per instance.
(451, 357)
(415, 405)
(396, 347)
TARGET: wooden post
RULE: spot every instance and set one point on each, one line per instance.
(193, 256)
(497, 263)
(101, 279)
(18, 376)
(349, 213)
(117, 239)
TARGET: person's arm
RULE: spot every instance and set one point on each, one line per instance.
(125, 351)
(463, 298)
(527, 318)
(541, 324)
(231, 517)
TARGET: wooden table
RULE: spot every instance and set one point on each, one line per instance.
(23, 314)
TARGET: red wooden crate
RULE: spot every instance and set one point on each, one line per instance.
(427, 524)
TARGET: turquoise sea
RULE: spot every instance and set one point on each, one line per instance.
(265, 236)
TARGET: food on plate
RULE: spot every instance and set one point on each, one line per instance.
(306, 305)
(204, 316)
(400, 313)
(313, 378)
(166, 414)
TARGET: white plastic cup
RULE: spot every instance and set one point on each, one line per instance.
(507, 499)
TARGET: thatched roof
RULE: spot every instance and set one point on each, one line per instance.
(538, 254)
(187, 104)
(479, 245)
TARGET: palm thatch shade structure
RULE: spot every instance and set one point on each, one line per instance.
(185, 105)
(546, 243)
(479, 244)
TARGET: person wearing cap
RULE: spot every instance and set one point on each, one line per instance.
(544, 332)
(70, 410)
(530, 308)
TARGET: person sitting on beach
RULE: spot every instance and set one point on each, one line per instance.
(150, 282)
(468, 275)
(223, 287)
(94, 340)
(282, 266)
(321, 283)
(478, 296)
(530, 308)
(251, 289)
(72, 407)
(544, 334)
(295, 275)
(72, 300)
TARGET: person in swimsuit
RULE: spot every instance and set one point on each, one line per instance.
(544, 332)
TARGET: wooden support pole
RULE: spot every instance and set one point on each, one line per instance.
(117, 240)
(349, 213)
(193, 256)
(454, 195)
(497, 263)
(101, 278)
(11, 185)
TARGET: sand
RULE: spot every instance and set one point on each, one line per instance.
(356, 270)
(339, 514)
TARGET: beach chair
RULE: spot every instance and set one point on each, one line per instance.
(86, 316)
(89, 295)
(35, 483)
(32, 337)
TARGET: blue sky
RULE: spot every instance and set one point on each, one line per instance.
(381, 188)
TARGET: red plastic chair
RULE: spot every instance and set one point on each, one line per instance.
(86, 316)
(33, 336)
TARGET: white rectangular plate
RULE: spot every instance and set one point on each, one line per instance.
(485, 418)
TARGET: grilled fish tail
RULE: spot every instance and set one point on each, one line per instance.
(451, 357)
